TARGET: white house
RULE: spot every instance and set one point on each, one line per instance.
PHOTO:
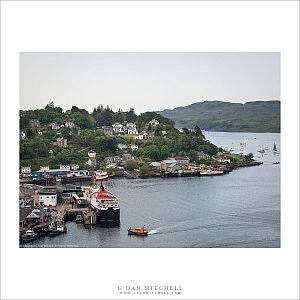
(143, 135)
(92, 154)
(22, 135)
(48, 199)
(131, 129)
(74, 167)
(26, 170)
(69, 124)
(164, 132)
(61, 142)
(153, 122)
(117, 159)
(45, 168)
(54, 126)
(118, 128)
(64, 167)
(122, 146)
(134, 147)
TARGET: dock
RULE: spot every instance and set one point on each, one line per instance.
(88, 215)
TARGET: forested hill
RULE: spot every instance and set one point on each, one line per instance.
(257, 116)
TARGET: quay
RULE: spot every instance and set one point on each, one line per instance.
(53, 180)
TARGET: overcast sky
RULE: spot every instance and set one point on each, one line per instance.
(146, 81)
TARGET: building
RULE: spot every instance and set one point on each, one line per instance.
(153, 122)
(109, 160)
(155, 165)
(182, 161)
(30, 216)
(92, 154)
(22, 135)
(36, 175)
(202, 156)
(163, 132)
(44, 168)
(69, 124)
(47, 198)
(107, 130)
(143, 135)
(74, 167)
(131, 129)
(92, 162)
(26, 170)
(61, 142)
(64, 167)
(168, 164)
(134, 147)
(127, 156)
(54, 126)
(122, 146)
(117, 159)
(34, 124)
(223, 159)
(118, 128)
(40, 131)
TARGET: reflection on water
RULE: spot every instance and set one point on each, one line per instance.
(241, 209)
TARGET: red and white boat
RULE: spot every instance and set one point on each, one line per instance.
(105, 203)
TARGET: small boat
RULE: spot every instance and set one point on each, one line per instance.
(57, 228)
(79, 219)
(101, 175)
(261, 150)
(29, 236)
(138, 231)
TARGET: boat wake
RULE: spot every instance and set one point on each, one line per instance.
(152, 232)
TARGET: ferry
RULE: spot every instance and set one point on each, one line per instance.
(104, 203)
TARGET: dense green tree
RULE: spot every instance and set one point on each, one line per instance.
(152, 152)
(131, 165)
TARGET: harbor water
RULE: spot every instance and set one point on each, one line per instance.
(239, 209)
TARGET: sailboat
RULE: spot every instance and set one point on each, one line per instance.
(275, 149)
(261, 150)
(243, 142)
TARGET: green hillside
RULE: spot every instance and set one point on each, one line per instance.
(258, 116)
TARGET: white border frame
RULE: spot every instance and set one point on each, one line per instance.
(271, 26)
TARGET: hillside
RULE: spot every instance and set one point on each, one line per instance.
(258, 116)
(51, 137)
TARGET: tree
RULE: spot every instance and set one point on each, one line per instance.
(164, 152)
(145, 171)
(131, 116)
(29, 133)
(249, 156)
(152, 152)
(65, 132)
(130, 165)
(185, 130)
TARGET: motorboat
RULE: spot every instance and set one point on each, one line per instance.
(57, 228)
(29, 236)
(138, 231)
(79, 218)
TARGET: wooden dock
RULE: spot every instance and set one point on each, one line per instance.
(88, 215)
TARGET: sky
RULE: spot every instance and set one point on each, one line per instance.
(146, 81)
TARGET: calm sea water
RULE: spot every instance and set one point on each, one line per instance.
(241, 209)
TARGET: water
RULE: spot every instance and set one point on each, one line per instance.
(241, 209)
